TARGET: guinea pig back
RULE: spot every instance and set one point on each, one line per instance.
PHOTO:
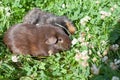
(36, 41)
(38, 17)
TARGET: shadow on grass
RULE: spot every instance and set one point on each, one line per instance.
(114, 37)
(106, 72)
(114, 41)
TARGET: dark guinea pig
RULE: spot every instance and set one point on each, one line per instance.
(38, 17)
(36, 41)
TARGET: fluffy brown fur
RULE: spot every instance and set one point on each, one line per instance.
(40, 40)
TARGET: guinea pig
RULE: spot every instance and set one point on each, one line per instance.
(38, 17)
(36, 41)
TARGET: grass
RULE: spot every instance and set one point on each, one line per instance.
(98, 33)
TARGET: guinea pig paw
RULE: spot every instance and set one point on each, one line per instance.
(50, 52)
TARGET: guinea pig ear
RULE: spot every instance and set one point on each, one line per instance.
(51, 40)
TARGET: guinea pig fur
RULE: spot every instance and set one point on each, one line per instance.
(38, 17)
(36, 41)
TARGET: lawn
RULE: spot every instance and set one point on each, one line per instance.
(95, 50)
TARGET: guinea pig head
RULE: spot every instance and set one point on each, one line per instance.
(58, 40)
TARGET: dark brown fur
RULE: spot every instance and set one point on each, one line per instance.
(38, 17)
(36, 41)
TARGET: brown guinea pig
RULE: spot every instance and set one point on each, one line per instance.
(38, 17)
(36, 41)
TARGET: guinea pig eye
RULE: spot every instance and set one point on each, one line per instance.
(60, 40)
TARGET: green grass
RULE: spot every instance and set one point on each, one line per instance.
(63, 66)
